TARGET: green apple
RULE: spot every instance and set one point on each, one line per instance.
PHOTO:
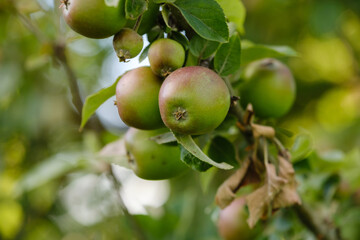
(165, 56)
(149, 159)
(94, 18)
(270, 88)
(137, 99)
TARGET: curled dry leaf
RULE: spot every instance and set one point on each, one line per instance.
(288, 195)
(259, 201)
(252, 176)
(226, 192)
(265, 131)
(249, 114)
(277, 192)
(284, 153)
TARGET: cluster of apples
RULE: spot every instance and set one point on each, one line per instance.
(188, 100)
(167, 95)
(151, 100)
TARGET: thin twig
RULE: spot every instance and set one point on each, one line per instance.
(266, 152)
(137, 23)
(279, 145)
(235, 107)
(59, 53)
(134, 224)
(319, 230)
(59, 50)
(31, 27)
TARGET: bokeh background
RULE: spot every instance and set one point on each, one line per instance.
(52, 188)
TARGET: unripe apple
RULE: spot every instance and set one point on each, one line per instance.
(232, 223)
(193, 100)
(94, 18)
(270, 88)
(137, 99)
(165, 56)
(127, 44)
(149, 159)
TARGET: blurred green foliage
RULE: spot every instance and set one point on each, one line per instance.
(42, 152)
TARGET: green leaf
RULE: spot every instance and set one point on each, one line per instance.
(206, 18)
(229, 121)
(95, 100)
(164, 138)
(193, 161)
(302, 147)
(50, 169)
(284, 131)
(155, 33)
(155, 228)
(202, 48)
(228, 56)
(191, 60)
(330, 186)
(134, 8)
(350, 171)
(330, 161)
(188, 143)
(235, 12)
(302, 167)
(165, 15)
(144, 54)
(251, 52)
(221, 149)
(164, 1)
(180, 39)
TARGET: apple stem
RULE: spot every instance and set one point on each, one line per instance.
(137, 24)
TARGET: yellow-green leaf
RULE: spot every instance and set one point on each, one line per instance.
(95, 100)
(235, 12)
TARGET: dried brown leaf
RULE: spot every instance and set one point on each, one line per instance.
(251, 176)
(258, 165)
(286, 169)
(260, 130)
(226, 192)
(249, 114)
(288, 195)
(261, 199)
